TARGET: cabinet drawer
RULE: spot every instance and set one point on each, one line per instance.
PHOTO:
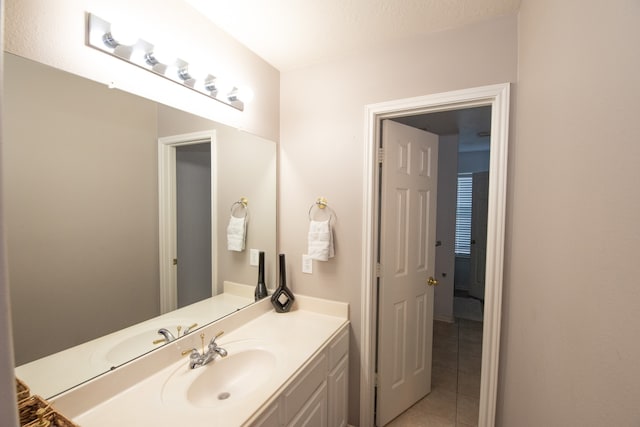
(301, 390)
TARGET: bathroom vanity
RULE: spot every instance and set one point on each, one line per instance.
(280, 369)
(318, 394)
(60, 371)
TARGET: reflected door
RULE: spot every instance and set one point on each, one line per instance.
(407, 255)
(193, 222)
(479, 208)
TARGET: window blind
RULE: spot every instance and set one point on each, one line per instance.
(463, 214)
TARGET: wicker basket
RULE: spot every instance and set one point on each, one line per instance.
(55, 419)
(27, 409)
(35, 408)
(22, 391)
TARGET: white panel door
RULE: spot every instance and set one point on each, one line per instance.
(479, 208)
(407, 257)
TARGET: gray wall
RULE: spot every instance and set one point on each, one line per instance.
(570, 347)
(7, 382)
(473, 161)
(80, 193)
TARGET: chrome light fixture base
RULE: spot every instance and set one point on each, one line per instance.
(142, 55)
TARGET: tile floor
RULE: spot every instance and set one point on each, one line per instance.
(455, 379)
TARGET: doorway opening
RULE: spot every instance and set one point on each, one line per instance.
(185, 164)
(193, 223)
(449, 388)
(463, 178)
(497, 98)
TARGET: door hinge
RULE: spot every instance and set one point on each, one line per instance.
(380, 155)
(174, 261)
(378, 270)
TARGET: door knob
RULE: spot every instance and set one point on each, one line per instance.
(432, 282)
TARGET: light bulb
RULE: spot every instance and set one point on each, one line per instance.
(224, 87)
(120, 35)
(194, 71)
(244, 94)
(209, 84)
(161, 55)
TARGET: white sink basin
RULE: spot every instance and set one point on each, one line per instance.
(248, 366)
(129, 344)
(132, 346)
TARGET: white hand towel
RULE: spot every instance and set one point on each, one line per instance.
(236, 232)
(320, 241)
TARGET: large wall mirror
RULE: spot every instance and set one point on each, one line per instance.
(80, 184)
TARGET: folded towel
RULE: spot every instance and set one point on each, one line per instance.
(236, 232)
(320, 241)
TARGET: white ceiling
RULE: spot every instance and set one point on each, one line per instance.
(291, 34)
(295, 33)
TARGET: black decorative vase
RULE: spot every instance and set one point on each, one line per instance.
(282, 298)
(261, 287)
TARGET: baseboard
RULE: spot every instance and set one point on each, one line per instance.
(448, 319)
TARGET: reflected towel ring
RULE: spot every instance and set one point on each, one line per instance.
(243, 204)
(321, 205)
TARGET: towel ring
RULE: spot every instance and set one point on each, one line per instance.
(242, 204)
(321, 205)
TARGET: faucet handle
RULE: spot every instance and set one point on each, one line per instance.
(190, 351)
(161, 340)
(189, 328)
(213, 340)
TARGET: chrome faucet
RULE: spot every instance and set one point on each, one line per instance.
(197, 359)
(187, 329)
(168, 336)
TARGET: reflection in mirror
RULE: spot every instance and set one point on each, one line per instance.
(81, 209)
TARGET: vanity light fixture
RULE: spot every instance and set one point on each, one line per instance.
(185, 74)
(157, 55)
(119, 36)
(116, 41)
(243, 92)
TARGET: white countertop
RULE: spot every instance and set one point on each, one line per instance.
(60, 371)
(134, 396)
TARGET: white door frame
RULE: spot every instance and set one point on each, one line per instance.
(497, 96)
(167, 211)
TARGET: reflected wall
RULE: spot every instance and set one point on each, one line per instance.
(81, 196)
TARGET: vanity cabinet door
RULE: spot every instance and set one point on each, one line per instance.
(304, 387)
(314, 413)
(270, 417)
(338, 380)
(338, 396)
(319, 395)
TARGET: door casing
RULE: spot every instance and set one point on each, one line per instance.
(167, 211)
(496, 96)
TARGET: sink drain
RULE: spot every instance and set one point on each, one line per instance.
(224, 395)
